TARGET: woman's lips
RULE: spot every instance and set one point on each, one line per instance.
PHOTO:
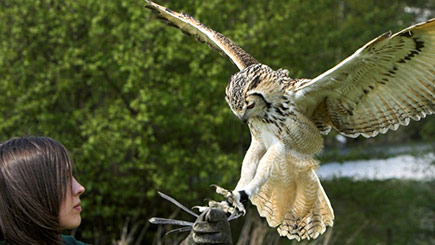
(78, 207)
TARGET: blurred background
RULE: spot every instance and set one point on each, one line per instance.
(141, 108)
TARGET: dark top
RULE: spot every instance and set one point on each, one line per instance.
(67, 240)
(70, 240)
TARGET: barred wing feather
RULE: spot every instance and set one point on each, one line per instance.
(384, 84)
(202, 33)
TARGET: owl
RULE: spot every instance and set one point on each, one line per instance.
(383, 85)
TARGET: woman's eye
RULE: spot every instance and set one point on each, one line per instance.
(251, 106)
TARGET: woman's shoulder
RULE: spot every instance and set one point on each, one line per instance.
(70, 240)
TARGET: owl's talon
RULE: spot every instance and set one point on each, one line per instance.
(222, 191)
(239, 200)
(236, 200)
(201, 209)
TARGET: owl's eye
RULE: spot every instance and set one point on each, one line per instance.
(251, 105)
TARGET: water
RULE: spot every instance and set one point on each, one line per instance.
(404, 166)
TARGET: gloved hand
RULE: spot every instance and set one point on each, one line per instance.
(211, 227)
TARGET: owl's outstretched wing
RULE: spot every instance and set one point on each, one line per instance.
(384, 84)
(191, 26)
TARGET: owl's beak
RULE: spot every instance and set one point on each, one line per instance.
(244, 118)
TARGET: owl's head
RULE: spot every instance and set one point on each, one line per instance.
(248, 91)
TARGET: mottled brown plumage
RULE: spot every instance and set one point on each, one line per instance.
(202, 33)
(384, 84)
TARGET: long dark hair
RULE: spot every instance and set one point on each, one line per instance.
(35, 173)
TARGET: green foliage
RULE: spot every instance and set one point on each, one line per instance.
(140, 106)
(382, 212)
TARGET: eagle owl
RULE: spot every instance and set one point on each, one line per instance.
(384, 84)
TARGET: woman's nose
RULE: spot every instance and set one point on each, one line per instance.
(78, 189)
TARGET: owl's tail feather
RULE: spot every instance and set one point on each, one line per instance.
(299, 208)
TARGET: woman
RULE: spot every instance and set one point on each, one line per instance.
(39, 197)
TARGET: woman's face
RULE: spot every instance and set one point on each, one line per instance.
(70, 209)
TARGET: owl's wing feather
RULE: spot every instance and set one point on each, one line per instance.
(189, 25)
(384, 84)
